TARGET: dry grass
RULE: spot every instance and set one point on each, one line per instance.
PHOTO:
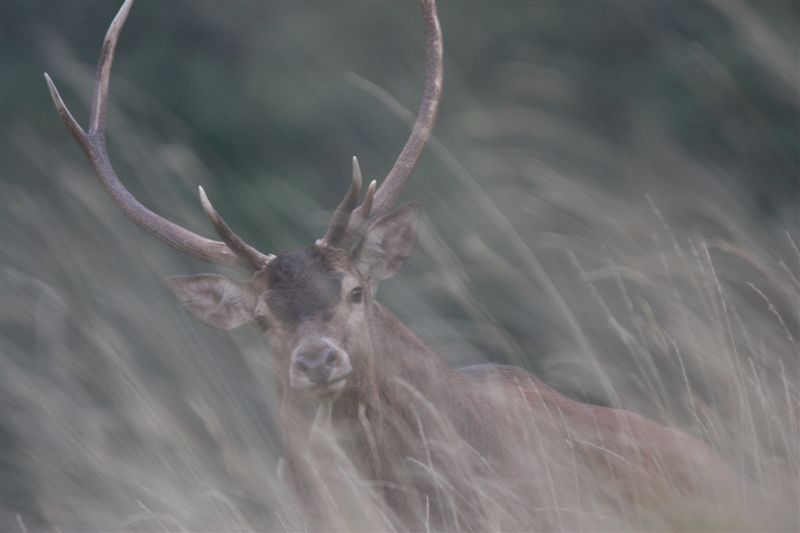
(659, 294)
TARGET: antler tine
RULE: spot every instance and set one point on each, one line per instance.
(341, 216)
(93, 144)
(97, 123)
(397, 177)
(366, 206)
(377, 203)
(256, 259)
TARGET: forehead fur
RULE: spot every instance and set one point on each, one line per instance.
(305, 283)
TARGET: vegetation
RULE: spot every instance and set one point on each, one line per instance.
(611, 201)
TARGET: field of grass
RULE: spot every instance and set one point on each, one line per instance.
(621, 221)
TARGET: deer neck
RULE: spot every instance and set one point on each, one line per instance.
(399, 356)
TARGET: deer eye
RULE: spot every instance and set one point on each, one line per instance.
(356, 295)
(262, 322)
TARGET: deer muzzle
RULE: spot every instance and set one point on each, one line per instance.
(319, 364)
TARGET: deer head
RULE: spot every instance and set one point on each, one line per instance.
(313, 304)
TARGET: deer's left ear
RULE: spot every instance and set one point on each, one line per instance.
(214, 300)
(388, 243)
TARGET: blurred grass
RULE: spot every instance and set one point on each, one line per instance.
(612, 202)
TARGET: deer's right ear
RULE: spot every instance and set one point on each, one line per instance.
(214, 300)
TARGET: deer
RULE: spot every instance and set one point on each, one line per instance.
(420, 431)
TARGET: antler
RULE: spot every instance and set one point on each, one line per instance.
(348, 223)
(93, 144)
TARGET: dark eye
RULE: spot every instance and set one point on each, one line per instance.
(262, 322)
(356, 295)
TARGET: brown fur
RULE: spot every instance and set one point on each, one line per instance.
(480, 422)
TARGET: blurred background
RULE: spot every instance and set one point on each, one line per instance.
(611, 202)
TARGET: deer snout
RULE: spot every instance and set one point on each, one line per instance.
(317, 363)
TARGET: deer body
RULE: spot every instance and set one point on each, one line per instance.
(453, 448)
(464, 426)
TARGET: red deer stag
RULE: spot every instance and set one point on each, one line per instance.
(479, 447)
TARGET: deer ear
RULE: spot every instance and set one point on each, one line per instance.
(214, 300)
(388, 243)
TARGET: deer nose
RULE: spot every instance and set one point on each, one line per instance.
(320, 362)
